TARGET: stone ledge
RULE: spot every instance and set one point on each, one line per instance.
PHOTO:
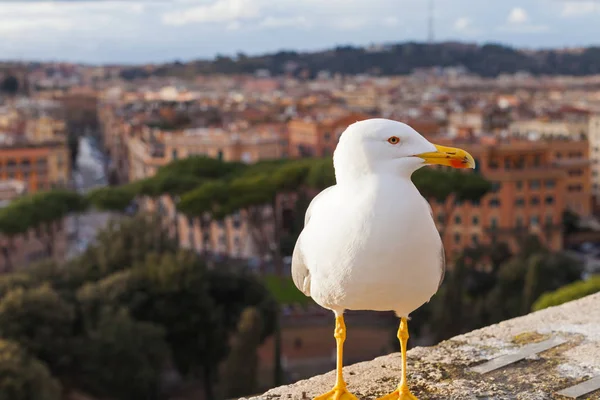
(442, 371)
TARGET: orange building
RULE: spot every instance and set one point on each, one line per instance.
(41, 167)
(531, 189)
(312, 137)
(573, 156)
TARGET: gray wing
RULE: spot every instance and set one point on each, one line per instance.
(300, 271)
(442, 252)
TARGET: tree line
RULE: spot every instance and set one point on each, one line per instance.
(488, 60)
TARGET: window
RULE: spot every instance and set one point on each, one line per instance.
(174, 154)
(574, 188)
(519, 185)
(457, 220)
(475, 239)
(550, 183)
(237, 220)
(519, 221)
(190, 222)
(327, 136)
(537, 160)
(507, 163)
(520, 202)
(534, 220)
(549, 200)
(220, 155)
(535, 200)
(440, 218)
(493, 164)
(475, 220)
(534, 184)
(549, 220)
(494, 202)
(496, 186)
(457, 238)
(575, 172)
(494, 222)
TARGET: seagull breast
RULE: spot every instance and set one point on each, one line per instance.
(370, 245)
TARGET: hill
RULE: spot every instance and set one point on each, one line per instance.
(487, 60)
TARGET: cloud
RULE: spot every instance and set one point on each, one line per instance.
(517, 16)
(285, 22)
(220, 11)
(579, 9)
(349, 23)
(462, 24)
(518, 21)
(391, 21)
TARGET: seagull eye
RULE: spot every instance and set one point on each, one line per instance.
(394, 140)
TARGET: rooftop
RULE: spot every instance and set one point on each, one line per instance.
(567, 338)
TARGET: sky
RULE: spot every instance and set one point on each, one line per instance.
(144, 31)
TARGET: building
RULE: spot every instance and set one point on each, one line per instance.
(532, 187)
(40, 167)
(317, 137)
(594, 140)
(153, 148)
(546, 128)
(45, 129)
(471, 121)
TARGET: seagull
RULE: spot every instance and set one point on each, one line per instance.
(370, 242)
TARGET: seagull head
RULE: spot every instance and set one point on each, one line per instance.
(384, 146)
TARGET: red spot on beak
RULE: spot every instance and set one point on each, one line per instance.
(457, 163)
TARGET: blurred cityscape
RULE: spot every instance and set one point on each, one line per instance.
(116, 180)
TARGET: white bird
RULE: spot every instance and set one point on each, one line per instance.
(370, 241)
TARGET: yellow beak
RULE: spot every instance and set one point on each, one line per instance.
(449, 156)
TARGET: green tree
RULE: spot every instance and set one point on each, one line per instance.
(41, 322)
(12, 224)
(570, 222)
(170, 291)
(15, 280)
(123, 243)
(43, 212)
(573, 291)
(241, 366)
(208, 202)
(48, 209)
(450, 188)
(113, 198)
(121, 358)
(201, 167)
(168, 183)
(22, 377)
(321, 174)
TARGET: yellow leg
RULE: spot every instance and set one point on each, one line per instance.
(402, 393)
(339, 391)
